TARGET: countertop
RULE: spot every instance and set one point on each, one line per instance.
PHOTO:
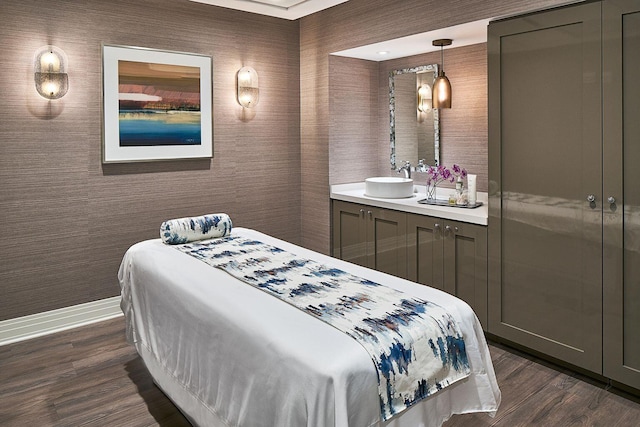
(354, 193)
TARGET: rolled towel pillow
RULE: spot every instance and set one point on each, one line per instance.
(184, 230)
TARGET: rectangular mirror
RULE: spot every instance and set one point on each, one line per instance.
(414, 131)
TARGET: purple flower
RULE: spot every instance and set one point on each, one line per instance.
(459, 171)
(441, 173)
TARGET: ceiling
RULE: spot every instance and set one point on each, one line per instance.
(462, 35)
(287, 9)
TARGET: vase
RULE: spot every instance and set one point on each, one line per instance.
(431, 190)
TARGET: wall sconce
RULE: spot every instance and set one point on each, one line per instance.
(442, 86)
(424, 98)
(248, 92)
(50, 72)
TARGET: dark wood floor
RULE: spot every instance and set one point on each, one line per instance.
(90, 376)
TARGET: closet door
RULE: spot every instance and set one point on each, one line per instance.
(621, 274)
(545, 162)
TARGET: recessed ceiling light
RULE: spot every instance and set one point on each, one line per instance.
(383, 52)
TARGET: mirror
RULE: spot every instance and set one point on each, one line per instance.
(414, 134)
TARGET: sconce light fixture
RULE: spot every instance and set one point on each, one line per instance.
(248, 91)
(424, 98)
(442, 86)
(50, 72)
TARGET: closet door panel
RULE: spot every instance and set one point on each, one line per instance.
(545, 139)
(631, 205)
(621, 54)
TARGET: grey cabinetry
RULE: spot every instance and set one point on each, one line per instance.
(349, 233)
(425, 251)
(447, 255)
(563, 235)
(621, 266)
(545, 148)
(451, 256)
(371, 237)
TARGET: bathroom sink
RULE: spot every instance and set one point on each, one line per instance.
(388, 187)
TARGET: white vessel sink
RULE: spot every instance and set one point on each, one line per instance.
(388, 187)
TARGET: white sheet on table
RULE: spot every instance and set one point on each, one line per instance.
(232, 355)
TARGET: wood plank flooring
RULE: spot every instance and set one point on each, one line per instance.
(90, 376)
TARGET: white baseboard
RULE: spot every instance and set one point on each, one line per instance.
(49, 322)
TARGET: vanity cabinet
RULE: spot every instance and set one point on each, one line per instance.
(563, 140)
(370, 236)
(450, 256)
(445, 254)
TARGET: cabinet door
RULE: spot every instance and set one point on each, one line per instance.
(349, 232)
(545, 159)
(424, 250)
(387, 237)
(621, 267)
(465, 265)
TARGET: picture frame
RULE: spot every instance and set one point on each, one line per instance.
(157, 105)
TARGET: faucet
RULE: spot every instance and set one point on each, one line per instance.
(406, 169)
(422, 167)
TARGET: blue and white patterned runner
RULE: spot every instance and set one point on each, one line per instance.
(415, 345)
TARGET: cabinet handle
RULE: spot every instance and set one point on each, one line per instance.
(591, 198)
(362, 213)
(436, 226)
(370, 214)
(611, 200)
(448, 229)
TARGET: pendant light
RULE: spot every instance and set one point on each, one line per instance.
(441, 87)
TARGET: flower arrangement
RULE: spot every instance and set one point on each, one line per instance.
(438, 174)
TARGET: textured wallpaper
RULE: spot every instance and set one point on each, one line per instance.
(66, 218)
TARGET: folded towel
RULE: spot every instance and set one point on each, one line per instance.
(184, 230)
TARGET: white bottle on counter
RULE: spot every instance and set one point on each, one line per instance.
(471, 188)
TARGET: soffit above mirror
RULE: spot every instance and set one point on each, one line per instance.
(463, 35)
(287, 9)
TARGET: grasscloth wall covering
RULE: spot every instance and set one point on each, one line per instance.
(356, 23)
(353, 101)
(65, 219)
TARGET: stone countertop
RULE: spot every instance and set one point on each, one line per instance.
(354, 193)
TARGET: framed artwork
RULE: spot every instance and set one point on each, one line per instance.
(157, 105)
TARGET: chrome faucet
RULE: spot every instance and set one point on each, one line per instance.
(422, 167)
(406, 169)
